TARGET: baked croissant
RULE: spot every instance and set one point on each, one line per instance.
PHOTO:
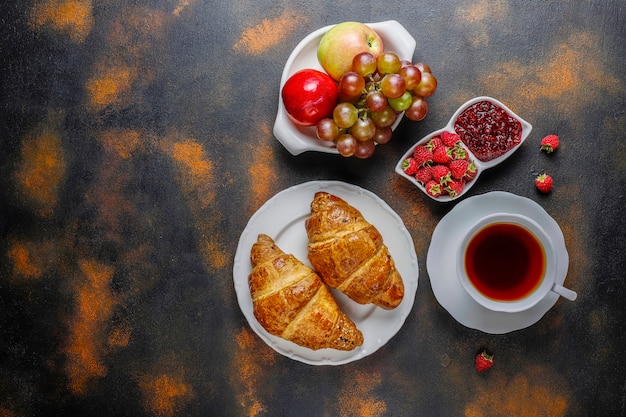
(290, 301)
(349, 254)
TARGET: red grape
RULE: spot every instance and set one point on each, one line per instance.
(363, 129)
(412, 76)
(427, 86)
(375, 100)
(351, 86)
(418, 109)
(423, 67)
(384, 118)
(364, 64)
(383, 135)
(365, 149)
(346, 144)
(388, 63)
(327, 129)
(345, 114)
(392, 85)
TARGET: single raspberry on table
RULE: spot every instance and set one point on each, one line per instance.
(549, 143)
(483, 361)
(544, 183)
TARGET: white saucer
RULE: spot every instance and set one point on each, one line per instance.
(282, 217)
(444, 282)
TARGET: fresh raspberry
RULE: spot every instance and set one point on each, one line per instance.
(433, 188)
(458, 168)
(544, 183)
(422, 155)
(424, 174)
(409, 166)
(471, 171)
(434, 143)
(441, 174)
(441, 155)
(458, 152)
(483, 362)
(549, 143)
(454, 188)
(449, 139)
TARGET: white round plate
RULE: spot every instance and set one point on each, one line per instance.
(282, 217)
(445, 284)
(297, 139)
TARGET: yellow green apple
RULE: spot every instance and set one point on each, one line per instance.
(342, 43)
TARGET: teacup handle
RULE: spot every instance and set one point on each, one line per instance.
(564, 292)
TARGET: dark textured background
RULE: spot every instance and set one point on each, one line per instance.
(136, 142)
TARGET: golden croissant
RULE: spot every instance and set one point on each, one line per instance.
(349, 254)
(290, 301)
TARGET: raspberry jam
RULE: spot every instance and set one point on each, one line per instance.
(488, 130)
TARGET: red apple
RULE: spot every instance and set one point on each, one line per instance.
(309, 96)
(342, 43)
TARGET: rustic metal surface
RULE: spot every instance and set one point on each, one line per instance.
(136, 142)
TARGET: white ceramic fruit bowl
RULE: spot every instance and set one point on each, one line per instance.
(297, 139)
(480, 165)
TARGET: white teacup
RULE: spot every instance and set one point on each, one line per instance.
(507, 262)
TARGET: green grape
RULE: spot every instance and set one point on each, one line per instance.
(376, 100)
(327, 129)
(364, 64)
(392, 85)
(401, 103)
(418, 109)
(346, 144)
(412, 76)
(345, 115)
(351, 86)
(365, 149)
(384, 118)
(388, 63)
(363, 129)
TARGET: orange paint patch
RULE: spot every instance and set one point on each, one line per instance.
(71, 17)
(479, 17)
(357, 398)
(182, 5)
(260, 38)
(249, 364)
(165, 395)
(262, 169)
(41, 170)
(109, 86)
(574, 224)
(122, 142)
(119, 336)
(85, 346)
(197, 171)
(107, 196)
(420, 219)
(531, 394)
(570, 65)
(23, 265)
(126, 68)
(195, 176)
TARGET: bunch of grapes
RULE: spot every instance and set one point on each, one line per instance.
(371, 97)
